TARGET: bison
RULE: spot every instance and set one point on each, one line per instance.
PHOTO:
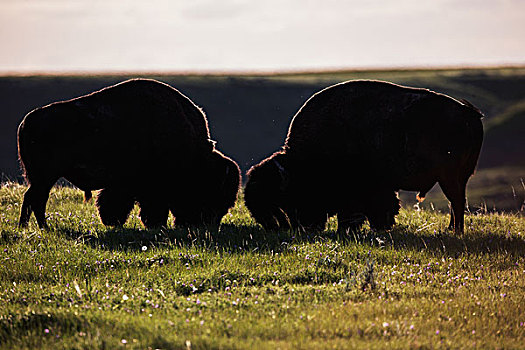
(351, 146)
(137, 141)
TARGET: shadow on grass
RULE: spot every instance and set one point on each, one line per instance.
(30, 328)
(443, 242)
(228, 238)
(240, 239)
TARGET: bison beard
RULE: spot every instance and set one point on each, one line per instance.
(138, 141)
(353, 145)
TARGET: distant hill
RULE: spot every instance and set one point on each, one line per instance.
(249, 114)
(505, 138)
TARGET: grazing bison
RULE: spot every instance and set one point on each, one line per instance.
(351, 146)
(137, 141)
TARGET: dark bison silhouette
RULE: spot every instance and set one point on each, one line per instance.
(351, 146)
(137, 141)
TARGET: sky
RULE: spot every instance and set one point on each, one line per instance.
(264, 35)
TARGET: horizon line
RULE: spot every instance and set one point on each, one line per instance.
(257, 72)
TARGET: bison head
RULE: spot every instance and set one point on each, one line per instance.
(265, 192)
(215, 191)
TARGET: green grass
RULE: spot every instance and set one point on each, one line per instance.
(79, 285)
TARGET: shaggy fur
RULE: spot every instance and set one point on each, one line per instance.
(353, 145)
(137, 141)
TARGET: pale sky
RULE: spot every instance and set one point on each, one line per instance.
(264, 35)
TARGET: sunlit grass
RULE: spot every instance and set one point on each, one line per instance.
(82, 285)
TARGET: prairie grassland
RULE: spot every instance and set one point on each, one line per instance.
(80, 285)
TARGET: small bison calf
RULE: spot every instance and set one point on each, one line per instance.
(137, 141)
(351, 146)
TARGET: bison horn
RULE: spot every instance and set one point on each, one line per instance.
(280, 167)
(282, 172)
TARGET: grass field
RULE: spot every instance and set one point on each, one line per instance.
(79, 285)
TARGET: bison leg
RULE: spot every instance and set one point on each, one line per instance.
(35, 200)
(114, 206)
(454, 190)
(381, 220)
(25, 213)
(196, 217)
(310, 221)
(153, 213)
(349, 221)
(382, 212)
